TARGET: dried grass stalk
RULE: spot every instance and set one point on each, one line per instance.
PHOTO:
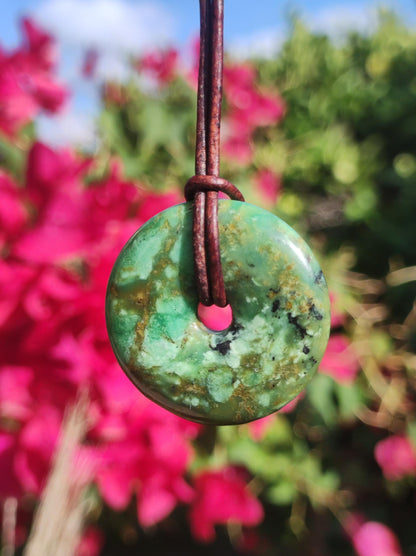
(58, 522)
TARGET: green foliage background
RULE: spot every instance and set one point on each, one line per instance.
(346, 151)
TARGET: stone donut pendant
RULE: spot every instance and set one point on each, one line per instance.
(280, 324)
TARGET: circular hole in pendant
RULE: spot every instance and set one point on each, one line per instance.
(214, 317)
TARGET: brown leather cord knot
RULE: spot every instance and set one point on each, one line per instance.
(211, 183)
(204, 186)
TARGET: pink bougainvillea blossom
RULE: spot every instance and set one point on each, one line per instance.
(37, 442)
(289, 407)
(9, 482)
(248, 109)
(160, 65)
(91, 542)
(149, 457)
(259, 427)
(375, 539)
(27, 83)
(13, 209)
(61, 240)
(238, 148)
(340, 360)
(15, 400)
(39, 44)
(396, 455)
(268, 184)
(89, 64)
(222, 497)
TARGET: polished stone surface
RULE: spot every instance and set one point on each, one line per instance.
(280, 322)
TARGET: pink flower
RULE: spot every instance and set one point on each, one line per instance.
(222, 497)
(252, 541)
(291, 405)
(26, 81)
(259, 427)
(89, 65)
(40, 44)
(9, 483)
(238, 148)
(152, 203)
(13, 211)
(375, 539)
(396, 455)
(267, 109)
(239, 81)
(49, 94)
(192, 74)
(91, 542)
(49, 171)
(157, 498)
(17, 107)
(37, 442)
(340, 361)
(248, 109)
(162, 65)
(55, 188)
(15, 400)
(149, 459)
(15, 278)
(268, 184)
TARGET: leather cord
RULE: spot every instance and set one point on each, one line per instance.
(203, 188)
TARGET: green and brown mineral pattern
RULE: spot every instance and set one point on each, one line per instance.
(280, 324)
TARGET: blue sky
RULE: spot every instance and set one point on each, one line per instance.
(242, 16)
(121, 27)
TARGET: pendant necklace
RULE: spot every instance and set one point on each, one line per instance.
(218, 252)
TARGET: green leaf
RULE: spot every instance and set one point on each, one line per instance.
(329, 481)
(411, 431)
(321, 395)
(282, 494)
(12, 158)
(350, 399)
(266, 465)
(279, 433)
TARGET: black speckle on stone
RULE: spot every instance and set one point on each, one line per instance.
(276, 305)
(315, 313)
(306, 350)
(301, 329)
(313, 360)
(235, 328)
(319, 277)
(223, 347)
(273, 358)
(251, 265)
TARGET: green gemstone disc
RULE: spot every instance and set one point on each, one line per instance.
(280, 321)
